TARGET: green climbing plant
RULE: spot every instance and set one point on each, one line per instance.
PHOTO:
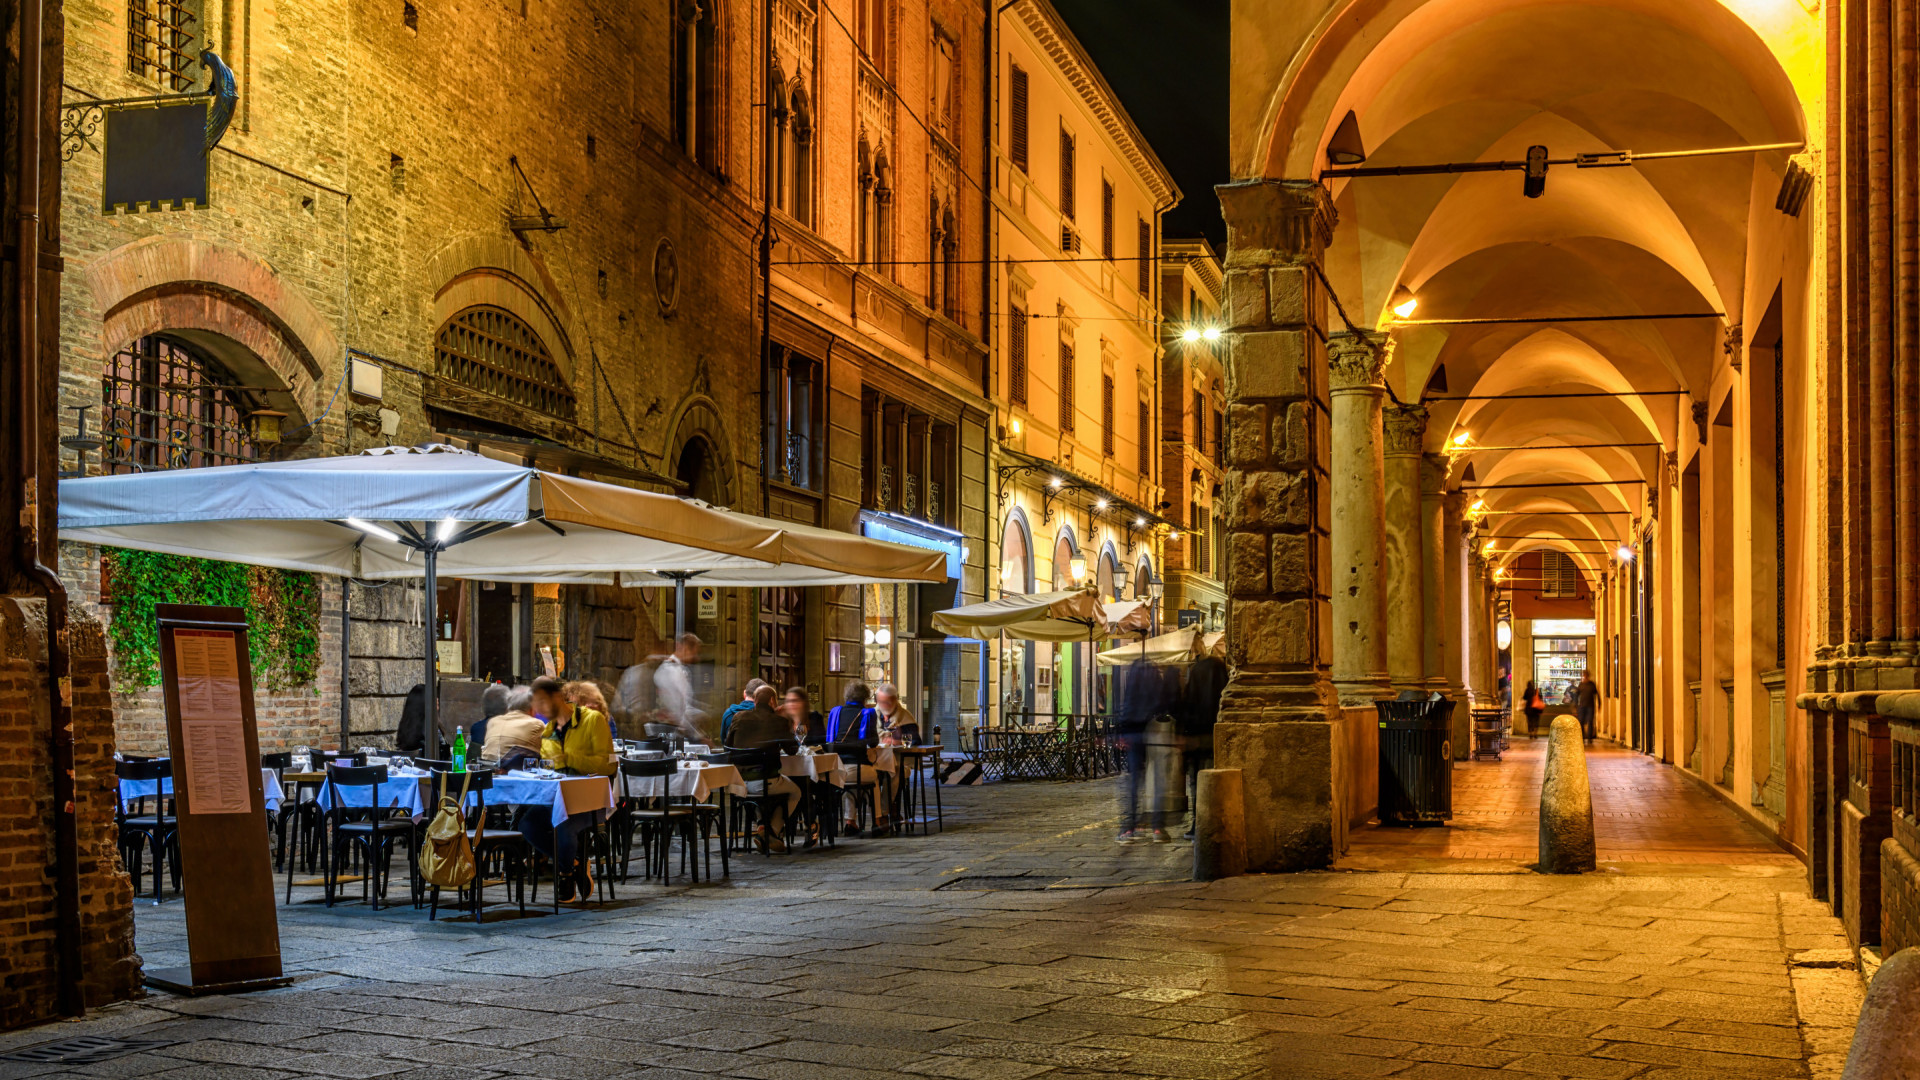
(282, 606)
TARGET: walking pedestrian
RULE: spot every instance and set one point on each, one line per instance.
(673, 689)
(1146, 694)
(1586, 702)
(1206, 680)
(1534, 704)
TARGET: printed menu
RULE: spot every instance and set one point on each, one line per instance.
(212, 722)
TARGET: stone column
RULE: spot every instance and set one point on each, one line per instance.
(1357, 365)
(1453, 642)
(1406, 427)
(1279, 718)
(1433, 565)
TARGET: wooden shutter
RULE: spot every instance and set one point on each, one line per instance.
(1199, 421)
(1017, 357)
(1066, 174)
(1106, 415)
(1146, 258)
(1106, 220)
(1146, 438)
(1066, 385)
(1017, 118)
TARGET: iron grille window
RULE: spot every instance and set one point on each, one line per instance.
(1106, 220)
(1017, 357)
(163, 41)
(1017, 118)
(1146, 258)
(169, 407)
(1066, 386)
(1146, 438)
(1106, 415)
(490, 350)
(1066, 174)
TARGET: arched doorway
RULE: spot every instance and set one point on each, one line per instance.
(1068, 659)
(696, 468)
(1017, 702)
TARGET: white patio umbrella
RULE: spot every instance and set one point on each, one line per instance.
(812, 556)
(367, 515)
(1173, 647)
(1065, 617)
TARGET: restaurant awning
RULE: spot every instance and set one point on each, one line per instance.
(1073, 615)
(1173, 647)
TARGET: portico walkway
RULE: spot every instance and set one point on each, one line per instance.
(1643, 812)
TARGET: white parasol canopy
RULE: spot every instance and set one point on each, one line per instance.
(815, 556)
(1069, 616)
(1173, 647)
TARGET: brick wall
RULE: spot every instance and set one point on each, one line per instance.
(27, 957)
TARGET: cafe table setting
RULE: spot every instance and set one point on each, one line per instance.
(140, 789)
(408, 789)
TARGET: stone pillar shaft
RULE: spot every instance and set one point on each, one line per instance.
(1279, 718)
(1453, 612)
(1357, 364)
(1406, 630)
(1433, 566)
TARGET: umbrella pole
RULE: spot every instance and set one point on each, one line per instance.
(679, 607)
(433, 592)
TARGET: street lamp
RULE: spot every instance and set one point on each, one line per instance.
(1077, 566)
(1625, 553)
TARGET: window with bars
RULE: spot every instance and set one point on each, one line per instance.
(1106, 415)
(1066, 385)
(1017, 117)
(167, 406)
(1146, 258)
(1106, 220)
(1017, 357)
(1066, 174)
(491, 350)
(163, 42)
(1146, 438)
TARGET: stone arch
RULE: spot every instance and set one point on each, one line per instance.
(1065, 547)
(227, 302)
(698, 428)
(477, 270)
(1017, 525)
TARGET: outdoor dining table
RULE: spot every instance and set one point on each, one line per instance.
(696, 780)
(141, 789)
(409, 790)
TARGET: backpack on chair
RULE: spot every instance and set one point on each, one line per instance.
(446, 858)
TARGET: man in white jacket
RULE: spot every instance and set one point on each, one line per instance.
(674, 702)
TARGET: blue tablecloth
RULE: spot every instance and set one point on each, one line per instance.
(139, 789)
(411, 792)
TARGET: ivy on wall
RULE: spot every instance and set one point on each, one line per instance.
(282, 607)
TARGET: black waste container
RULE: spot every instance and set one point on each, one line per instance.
(1416, 762)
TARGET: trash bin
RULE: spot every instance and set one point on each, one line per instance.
(1166, 768)
(1416, 762)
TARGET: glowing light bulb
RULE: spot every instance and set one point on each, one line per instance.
(1404, 302)
(1190, 335)
(1625, 553)
(1212, 333)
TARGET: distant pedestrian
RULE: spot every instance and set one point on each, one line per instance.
(674, 702)
(1586, 702)
(1535, 705)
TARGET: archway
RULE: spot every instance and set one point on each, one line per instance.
(1017, 700)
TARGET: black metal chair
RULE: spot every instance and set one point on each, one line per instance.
(657, 819)
(155, 832)
(371, 831)
(859, 757)
(757, 766)
(502, 849)
(301, 815)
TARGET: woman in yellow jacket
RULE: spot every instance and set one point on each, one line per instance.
(576, 740)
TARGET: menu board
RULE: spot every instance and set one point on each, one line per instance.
(212, 722)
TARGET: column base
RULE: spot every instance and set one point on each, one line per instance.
(1362, 691)
(1291, 756)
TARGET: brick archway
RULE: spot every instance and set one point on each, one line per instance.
(224, 299)
(482, 270)
(698, 420)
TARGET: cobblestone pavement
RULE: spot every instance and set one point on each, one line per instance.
(856, 963)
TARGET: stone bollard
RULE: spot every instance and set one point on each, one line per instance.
(1884, 1047)
(1220, 825)
(1566, 803)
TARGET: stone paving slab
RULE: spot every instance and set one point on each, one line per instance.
(853, 964)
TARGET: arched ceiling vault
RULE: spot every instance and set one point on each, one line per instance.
(1434, 81)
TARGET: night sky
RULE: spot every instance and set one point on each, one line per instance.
(1168, 59)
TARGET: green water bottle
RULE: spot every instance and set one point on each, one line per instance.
(460, 749)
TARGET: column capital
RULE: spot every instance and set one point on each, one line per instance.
(1357, 360)
(1275, 222)
(1434, 469)
(1406, 429)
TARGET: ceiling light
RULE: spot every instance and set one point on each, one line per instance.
(1463, 438)
(1404, 302)
(1345, 148)
(1625, 553)
(371, 529)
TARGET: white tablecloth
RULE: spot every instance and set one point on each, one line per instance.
(567, 795)
(814, 767)
(140, 789)
(695, 779)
